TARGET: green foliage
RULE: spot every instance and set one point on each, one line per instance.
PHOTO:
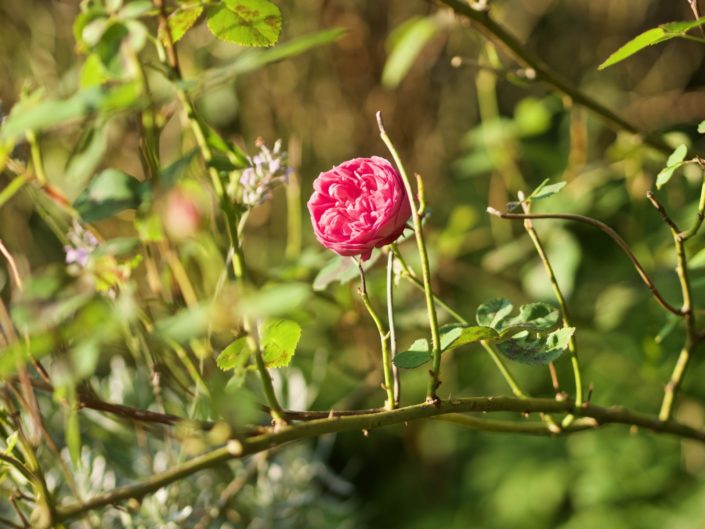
(653, 36)
(110, 192)
(279, 339)
(245, 22)
(405, 43)
(182, 19)
(675, 161)
(525, 337)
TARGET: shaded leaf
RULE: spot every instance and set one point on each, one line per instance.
(492, 313)
(110, 192)
(541, 350)
(342, 270)
(417, 355)
(456, 335)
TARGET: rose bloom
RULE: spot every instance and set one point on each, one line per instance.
(359, 205)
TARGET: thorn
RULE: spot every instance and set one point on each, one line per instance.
(493, 211)
(366, 433)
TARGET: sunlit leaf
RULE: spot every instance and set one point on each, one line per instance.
(235, 356)
(675, 161)
(245, 22)
(183, 19)
(278, 340)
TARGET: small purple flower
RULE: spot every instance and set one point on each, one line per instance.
(83, 244)
(268, 168)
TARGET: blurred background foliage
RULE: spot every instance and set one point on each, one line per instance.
(478, 131)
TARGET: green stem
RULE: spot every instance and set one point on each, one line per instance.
(529, 428)
(392, 327)
(608, 231)
(226, 205)
(700, 214)
(503, 369)
(368, 421)
(572, 345)
(408, 273)
(486, 25)
(37, 162)
(434, 381)
(383, 338)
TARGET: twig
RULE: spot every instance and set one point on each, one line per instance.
(231, 216)
(605, 229)
(495, 32)
(13, 266)
(572, 345)
(696, 13)
(286, 434)
(388, 385)
(416, 215)
(408, 273)
(687, 312)
(392, 329)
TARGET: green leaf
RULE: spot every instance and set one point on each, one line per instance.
(169, 175)
(10, 442)
(183, 19)
(653, 36)
(540, 350)
(342, 269)
(675, 160)
(136, 9)
(279, 339)
(274, 299)
(681, 27)
(648, 38)
(251, 60)
(184, 325)
(405, 44)
(544, 190)
(456, 334)
(235, 356)
(417, 355)
(85, 158)
(492, 313)
(108, 193)
(535, 316)
(701, 127)
(34, 114)
(246, 22)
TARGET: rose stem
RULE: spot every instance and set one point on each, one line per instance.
(408, 273)
(231, 216)
(392, 331)
(386, 361)
(572, 345)
(425, 268)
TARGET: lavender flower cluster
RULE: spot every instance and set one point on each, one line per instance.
(268, 168)
(83, 244)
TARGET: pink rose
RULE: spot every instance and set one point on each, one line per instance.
(359, 205)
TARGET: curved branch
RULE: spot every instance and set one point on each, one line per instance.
(286, 434)
(605, 229)
(545, 73)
